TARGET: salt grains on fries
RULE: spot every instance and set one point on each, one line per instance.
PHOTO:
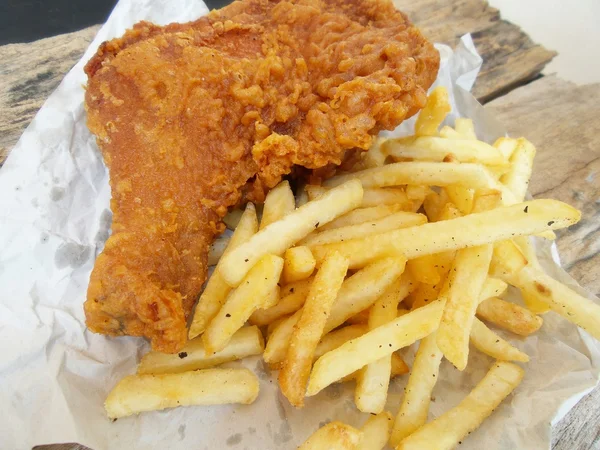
(413, 277)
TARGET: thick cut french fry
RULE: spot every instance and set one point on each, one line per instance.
(465, 127)
(392, 222)
(287, 305)
(561, 299)
(362, 215)
(333, 436)
(216, 250)
(465, 281)
(521, 166)
(507, 260)
(363, 288)
(488, 342)
(374, 345)
(281, 235)
(433, 113)
(445, 432)
(258, 290)
(462, 197)
(298, 264)
(509, 316)
(373, 380)
(279, 339)
(138, 393)
(425, 269)
(279, 202)
(417, 394)
(247, 341)
(376, 432)
(387, 196)
(216, 290)
(309, 329)
(475, 229)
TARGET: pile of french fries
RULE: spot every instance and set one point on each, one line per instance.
(417, 245)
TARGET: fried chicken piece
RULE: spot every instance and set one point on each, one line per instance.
(194, 118)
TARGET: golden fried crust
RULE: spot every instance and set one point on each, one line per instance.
(190, 117)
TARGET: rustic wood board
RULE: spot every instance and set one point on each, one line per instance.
(562, 120)
(30, 72)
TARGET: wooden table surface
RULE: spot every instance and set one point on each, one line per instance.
(562, 119)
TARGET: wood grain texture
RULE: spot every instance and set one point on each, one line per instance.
(563, 121)
(30, 72)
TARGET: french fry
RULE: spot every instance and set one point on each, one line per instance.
(492, 287)
(363, 288)
(360, 318)
(362, 215)
(434, 203)
(465, 281)
(465, 127)
(398, 367)
(475, 229)
(462, 197)
(373, 380)
(433, 113)
(507, 259)
(281, 235)
(488, 342)
(436, 149)
(375, 156)
(521, 166)
(333, 436)
(279, 339)
(532, 303)
(376, 432)
(417, 192)
(301, 197)
(509, 316)
(334, 339)
(216, 250)
(469, 175)
(423, 295)
(279, 202)
(287, 305)
(271, 327)
(387, 196)
(258, 290)
(216, 290)
(425, 269)
(506, 146)
(247, 341)
(450, 133)
(445, 432)
(417, 394)
(309, 329)
(374, 345)
(298, 264)
(392, 222)
(561, 299)
(138, 393)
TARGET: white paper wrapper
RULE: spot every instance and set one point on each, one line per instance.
(55, 375)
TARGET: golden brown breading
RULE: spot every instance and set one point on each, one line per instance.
(194, 118)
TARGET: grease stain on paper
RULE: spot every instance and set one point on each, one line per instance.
(57, 193)
(181, 432)
(104, 227)
(234, 439)
(71, 254)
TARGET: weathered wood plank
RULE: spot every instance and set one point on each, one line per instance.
(562, 120)
(30, 72)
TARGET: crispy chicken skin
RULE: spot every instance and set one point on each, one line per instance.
(194, 118)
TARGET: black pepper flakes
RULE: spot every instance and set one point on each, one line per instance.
(550, 223)
(526, 210)
(182, 355)
(227, 315)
